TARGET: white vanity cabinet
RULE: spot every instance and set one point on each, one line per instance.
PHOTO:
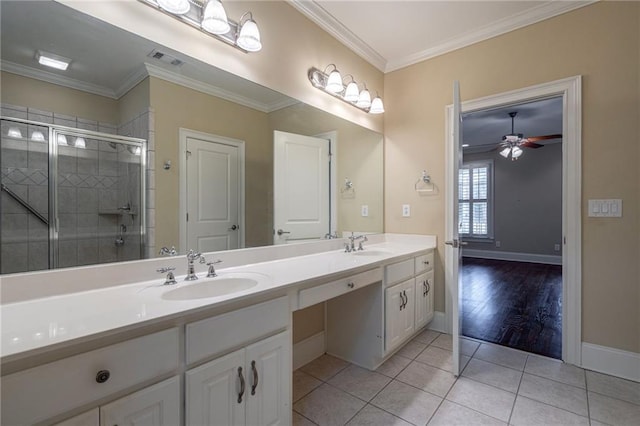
(157, 405)
(399, 308)
(250, 384)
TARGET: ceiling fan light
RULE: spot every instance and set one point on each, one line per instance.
(505, 152)
(352, 93)
(364, 100)
(516, 152)
(334, 82)
(177, 7)
(249, 36)
(214, 18)
(377, 107)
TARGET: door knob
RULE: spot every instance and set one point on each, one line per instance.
(280, 232)
(455, 243)
(233, 228)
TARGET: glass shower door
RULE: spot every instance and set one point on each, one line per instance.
(24, 197)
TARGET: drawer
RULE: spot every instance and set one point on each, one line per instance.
(424, 262)
(221, 333)
(398, 271)
(320, 293)
(41, 392)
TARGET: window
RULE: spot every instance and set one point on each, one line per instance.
(475, 200)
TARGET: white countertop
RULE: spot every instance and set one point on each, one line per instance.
(33, 325)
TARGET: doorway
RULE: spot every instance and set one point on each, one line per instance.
(510, 217)
(211, 192)
(570, 91)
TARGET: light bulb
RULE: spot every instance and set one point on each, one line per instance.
(377, 107)
(37, 136)
(14, 132)
(215, 18)
(178, 7)
(62, 140)
(364, 100)
(334, 82)
(249, 37)
(80, 143)
(505, 152)
(352, 93)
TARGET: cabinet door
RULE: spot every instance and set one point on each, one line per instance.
(269, 381)
(430, 311)
(157, 405)
(216, 392)
(399, 312)
(422, 298)
(88, 418)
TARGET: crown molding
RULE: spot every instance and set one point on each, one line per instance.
(52, 78)
(161, 73)
(503, 26)
(132, 80)
(327, 22)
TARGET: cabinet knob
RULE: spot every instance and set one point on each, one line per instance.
(103, 376)
(350, 285)
(426, 262)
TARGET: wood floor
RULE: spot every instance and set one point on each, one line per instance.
(515, 304)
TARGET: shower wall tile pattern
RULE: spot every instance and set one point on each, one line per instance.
(93, 183)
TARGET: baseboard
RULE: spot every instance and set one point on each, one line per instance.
(438, 323)
(308, 349)
(517, 257)
(611, 361)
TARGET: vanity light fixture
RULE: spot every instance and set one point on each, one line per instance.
(333, 83)
(37, 136)
(210, 17)
(80, 143)
(14, 132)
(62, 140)
(53, 61)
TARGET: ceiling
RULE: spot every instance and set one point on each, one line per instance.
(107, 60)
(394, 34)
(483, 130)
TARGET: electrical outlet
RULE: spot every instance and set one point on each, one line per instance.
(556, 247)
(498, 244)
(406, 210)
(364, 210)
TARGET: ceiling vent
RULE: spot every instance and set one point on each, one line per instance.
(165, 58)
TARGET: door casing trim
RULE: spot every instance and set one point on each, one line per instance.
(571, 91)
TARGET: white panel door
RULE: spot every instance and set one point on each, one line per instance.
(268, 383)
(216, 392)
(157, 405)
(301, 187)
(399, 313)
(454, 241)
(213, 196)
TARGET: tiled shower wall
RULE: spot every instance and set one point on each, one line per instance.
(93, 183)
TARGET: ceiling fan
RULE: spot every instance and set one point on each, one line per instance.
(512, 144)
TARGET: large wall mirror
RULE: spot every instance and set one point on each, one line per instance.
(161, 150)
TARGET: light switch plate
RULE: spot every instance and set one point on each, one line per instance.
(406, 210)
(605, 208)
(364, 210)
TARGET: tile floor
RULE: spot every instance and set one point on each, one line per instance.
(498, 386)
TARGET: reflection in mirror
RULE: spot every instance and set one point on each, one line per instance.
(210, 178)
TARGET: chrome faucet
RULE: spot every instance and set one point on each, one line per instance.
(171, 279)
(352, 246)
(165, 251)
(212, 270)
(191, 270)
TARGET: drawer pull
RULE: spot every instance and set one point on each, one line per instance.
(255, 378)
(428, 286)
(241, 385)
(401, 301)
(103, 376)
(350, 285)
(426, 289)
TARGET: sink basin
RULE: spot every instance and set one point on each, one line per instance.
(366, 252)
(213, 287)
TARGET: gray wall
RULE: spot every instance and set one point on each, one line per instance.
(528, 201)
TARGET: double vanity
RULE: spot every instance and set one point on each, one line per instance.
(127, 348)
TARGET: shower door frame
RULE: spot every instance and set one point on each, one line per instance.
(53, 132)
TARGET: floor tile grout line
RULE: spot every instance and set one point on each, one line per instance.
(555, 381)
(380, 408)
(513, 407)
(471, 409)
(613, 397)
(302, 415)
(553, 406)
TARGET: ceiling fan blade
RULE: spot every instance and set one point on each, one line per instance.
(542, 138)
(531, 145)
